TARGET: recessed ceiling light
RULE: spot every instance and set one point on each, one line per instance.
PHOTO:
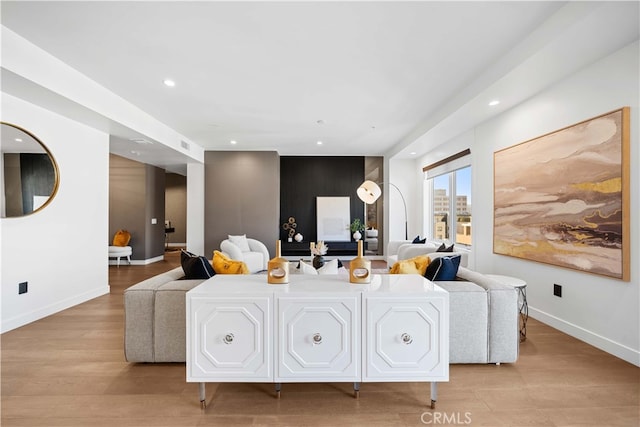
(494, 102)
(319, 142)
(413, 153)
(233, 142)
(18, 139)
(140, 141)
(169, 82)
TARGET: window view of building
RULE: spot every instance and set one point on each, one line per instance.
(452, 193)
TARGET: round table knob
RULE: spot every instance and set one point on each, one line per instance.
(228, 339)
(317, 338)
(406, 338)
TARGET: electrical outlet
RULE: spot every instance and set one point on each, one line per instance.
(557, 290)
(23, 288)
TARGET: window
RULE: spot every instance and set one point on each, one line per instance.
(449, 185)
(462, 179)
(441, 192)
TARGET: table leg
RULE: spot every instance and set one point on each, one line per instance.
(523, 308)
(356, 390)
(201, 390)
(278, 389)
(434, 394)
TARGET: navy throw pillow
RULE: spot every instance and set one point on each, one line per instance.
(417, 240)
(195, 267)
(444, 248)
(443, 268)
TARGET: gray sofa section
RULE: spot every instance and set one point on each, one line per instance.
(155, 318)
(483, 319)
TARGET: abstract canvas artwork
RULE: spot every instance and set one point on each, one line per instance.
(563, 198)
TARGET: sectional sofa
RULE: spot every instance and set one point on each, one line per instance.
(483, 323)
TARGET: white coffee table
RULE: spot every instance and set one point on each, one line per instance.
(523, 307)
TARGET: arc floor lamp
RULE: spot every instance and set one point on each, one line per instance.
(369, 192)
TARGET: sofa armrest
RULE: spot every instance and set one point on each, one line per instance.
(155, 319)
(504, 338)
(139, 307)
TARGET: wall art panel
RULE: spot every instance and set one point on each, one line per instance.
(563, 198)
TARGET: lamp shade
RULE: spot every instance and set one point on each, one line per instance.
(369, 192)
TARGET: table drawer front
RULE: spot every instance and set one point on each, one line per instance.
(318, 338)
(405, 338)
(230, 337)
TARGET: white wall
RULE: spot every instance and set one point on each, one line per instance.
(402, 175)
(61, 251)
(195, 208)
(596, 309)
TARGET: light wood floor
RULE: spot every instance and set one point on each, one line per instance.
(69, 370)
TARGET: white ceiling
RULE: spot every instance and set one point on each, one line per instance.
(382, 76)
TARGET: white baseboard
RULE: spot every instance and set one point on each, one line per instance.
(32, 316)
(605, 344)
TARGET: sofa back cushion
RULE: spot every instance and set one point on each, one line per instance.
(240, 241)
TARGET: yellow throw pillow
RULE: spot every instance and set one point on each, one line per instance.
(415, 265)
(121, 238)
(222, 264)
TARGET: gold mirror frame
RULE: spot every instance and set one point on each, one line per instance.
(28, 137)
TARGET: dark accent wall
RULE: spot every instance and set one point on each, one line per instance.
(136, 194)
(303, 178)
(37, 176)
(12, 185)
(241, 197)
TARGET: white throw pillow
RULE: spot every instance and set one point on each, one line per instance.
(329, 267)
(241, 242)
(307, 268)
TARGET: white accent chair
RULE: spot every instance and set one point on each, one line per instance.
(250, 251)
(119, 246)
(119, 252)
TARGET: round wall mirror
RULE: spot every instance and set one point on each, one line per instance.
(28, 171)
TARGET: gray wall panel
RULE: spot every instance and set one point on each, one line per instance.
(242, 193)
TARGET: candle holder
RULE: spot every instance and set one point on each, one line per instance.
(278, 268)
(360, 268)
